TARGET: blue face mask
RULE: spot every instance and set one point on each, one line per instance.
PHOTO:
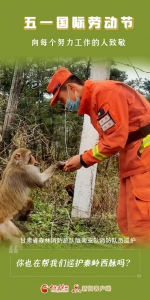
(73, 105)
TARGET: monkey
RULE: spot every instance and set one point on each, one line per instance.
(23, 215)
(70, 190)
(19, 178)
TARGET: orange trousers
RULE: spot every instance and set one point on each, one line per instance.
(133, 212)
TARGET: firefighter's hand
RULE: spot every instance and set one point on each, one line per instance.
(72, 164)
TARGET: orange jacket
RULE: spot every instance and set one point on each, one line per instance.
(115, 110)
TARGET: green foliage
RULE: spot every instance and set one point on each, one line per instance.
(35, 121)
(6, 75)
(51, 217)
(118, 75)
(142, 86)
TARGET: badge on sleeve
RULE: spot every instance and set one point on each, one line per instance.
(101, 112)
(106, 122)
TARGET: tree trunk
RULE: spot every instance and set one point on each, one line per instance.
(12, 102)
(85, 179)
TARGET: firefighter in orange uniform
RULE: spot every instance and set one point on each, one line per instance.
(121, 115)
